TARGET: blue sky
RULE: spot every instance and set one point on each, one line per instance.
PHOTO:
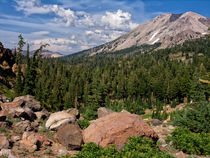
(73, 25)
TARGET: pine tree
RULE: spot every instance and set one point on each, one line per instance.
(19, 85)
(196, 92)
(28, 89)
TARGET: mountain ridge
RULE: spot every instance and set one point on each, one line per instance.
(168, 29)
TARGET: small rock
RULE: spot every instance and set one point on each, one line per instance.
(7, 152)
(156, 122)
(42, 114)
(24, 125)
(125, 111)
(73, 111)
(35, 124)
(164, 148)
(170, 143)
(70, 136)
(180, 155)
(164, 125)
(15, 138)
(102, 111)
(162, 141)
(171, 127)
(4, 143)
(62, 152)
(4, 124)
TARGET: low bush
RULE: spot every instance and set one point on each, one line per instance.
(136, 148)
(89, 113)
(83, 124)
(195, 117)
(189, 142)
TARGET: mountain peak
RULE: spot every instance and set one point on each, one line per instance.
(193, 15)
(168, 29)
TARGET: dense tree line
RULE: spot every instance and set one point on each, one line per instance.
(133, 82)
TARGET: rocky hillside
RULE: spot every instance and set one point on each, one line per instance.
(27, 130)
(168, 29)
(7, 66)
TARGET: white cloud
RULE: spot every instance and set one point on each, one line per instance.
(35, 7)
(32, 7)
(76, 29)
(118, 20)
(55, 44)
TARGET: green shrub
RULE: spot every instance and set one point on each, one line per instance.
(83, 124)
(142, 148)
(88, 113)
(136, 148)
(130, 106)
(196, 117)
(189, 142)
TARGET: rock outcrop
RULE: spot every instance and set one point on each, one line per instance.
(115, 128)
(6, 63)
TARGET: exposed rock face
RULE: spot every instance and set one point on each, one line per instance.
(4, 143)
(58, 119)
(6, 63)
(70, 136)
(102, 111)
(115, 128)
(169, 29)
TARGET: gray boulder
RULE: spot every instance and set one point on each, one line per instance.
(70, 136)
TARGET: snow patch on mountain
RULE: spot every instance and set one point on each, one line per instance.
(154, 35)
(156, 41)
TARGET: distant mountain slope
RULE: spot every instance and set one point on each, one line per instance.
(46, 54)
(50, 54)
(168, 29)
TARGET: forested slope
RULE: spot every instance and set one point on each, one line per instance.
(133, 82)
